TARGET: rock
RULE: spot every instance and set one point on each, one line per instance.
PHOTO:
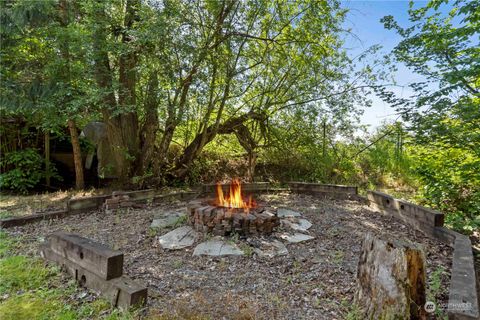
(296, 237)
(297, 224)
(271, 249)
(286, 213)
(217, 248)
(179, 238)
(166, 220)
(391, 280)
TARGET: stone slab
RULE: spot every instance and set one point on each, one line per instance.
(296, 237)
(270, 249)
(90, 255)
(179, 238)
(122, 291)
(166, 220)
(287, 213)
(217, 248)
(297, 224)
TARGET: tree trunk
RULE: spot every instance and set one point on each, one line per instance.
(209, 133)
(47, 158)
(127, 95)
(252, 161)
(77, 155)
(122, 130)
(391, 280)
(65, 52)
(150, 125)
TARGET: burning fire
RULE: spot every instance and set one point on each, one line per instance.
(234, 198)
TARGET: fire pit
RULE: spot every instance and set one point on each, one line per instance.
(229, 214)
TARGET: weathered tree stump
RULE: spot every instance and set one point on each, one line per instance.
(391, 280)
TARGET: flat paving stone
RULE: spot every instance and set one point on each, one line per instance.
(179, 238)
(297, 224)
(270, 249)
(296, 237)
(287, 213)
(166, 220)
(216, 248)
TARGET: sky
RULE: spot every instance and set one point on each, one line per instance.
(364, 21)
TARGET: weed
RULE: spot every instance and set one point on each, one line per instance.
(152, 232)
(180, 221)
(223, 265)
(354, 313)
(177, 264)
(247, 250)
(337, 256)
(435, 289)
(435, 282)
(234, 238)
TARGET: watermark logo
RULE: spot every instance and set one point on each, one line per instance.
(429, 306)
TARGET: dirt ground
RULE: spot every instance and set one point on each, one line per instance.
(316, 280)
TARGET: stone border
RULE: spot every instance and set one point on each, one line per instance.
(463, 280)
(81, 205)
(463, 299)
(20, 221)
(331, 191)
(255, 187)
(423, 219)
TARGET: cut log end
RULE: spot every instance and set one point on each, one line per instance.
(391, 279)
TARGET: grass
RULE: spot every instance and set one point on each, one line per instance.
(22, 273)
(31, 289)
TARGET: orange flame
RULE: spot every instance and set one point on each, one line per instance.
(234, 198)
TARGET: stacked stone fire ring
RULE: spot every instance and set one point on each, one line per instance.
(207, 217)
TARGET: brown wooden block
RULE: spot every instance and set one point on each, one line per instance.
(90, 255)
(121, 292)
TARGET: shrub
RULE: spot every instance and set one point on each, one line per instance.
(23, 170)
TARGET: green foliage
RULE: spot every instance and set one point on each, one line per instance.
(445, 108)
(451, 183)
(24, 170)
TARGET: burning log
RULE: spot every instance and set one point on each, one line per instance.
(231, 213)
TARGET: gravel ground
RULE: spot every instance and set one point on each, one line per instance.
(316, 280)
